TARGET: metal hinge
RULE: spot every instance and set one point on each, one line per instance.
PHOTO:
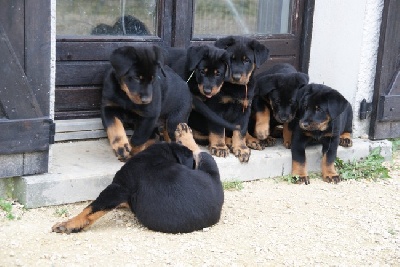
(365, 109)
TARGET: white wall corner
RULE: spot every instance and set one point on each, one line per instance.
(344, 47)
(368, 60)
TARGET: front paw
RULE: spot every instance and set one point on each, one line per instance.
(219, 150)
(332, 179)
(122, 151)
(255, 144)
(301, 179)
(65, 228)
(345, 142)
(242, 153)
(269, 141)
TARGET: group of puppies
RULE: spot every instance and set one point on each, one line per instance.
(204, 95)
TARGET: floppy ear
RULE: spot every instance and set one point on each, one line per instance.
(122, 59)
(227, 60)
(336, 103)
(225, 42)
(302, 93)
(183, 155)
(302, 79)
(261, 52)
(158, 51)
(195, 54)
(266, 84)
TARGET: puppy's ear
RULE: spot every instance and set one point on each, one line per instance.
(160, 58)
(302, 79)
(183, 155)
(194, 55)
(261, 52)
(227, 61)
(122, 59)
(225, 42)
(265, 84)
(336, 103)
(302, 93)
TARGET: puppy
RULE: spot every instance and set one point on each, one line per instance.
(276, 93)
(126, 25)
(324, 116)
(139, 90)
(171, 188)
(203, 68)
(233, 102)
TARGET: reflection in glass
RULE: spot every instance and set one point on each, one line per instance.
(227, 17)
(106, 17)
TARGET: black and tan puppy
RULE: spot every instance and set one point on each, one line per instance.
(233, 102)
(139, 90)
(171, 188)
(276, 101)
(326, 117)
(204, 68)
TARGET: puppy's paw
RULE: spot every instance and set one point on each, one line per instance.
(332, 179)
(269, 141)
(301, 179)
(345, 142)
(66, 228)
(242, 153)
(254, 143)
(184, 136)
(287, 144)
(219, 150)
(122, 151)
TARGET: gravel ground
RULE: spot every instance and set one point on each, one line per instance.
(267, 223)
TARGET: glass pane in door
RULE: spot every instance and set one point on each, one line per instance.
(234, 17)
(106, 17)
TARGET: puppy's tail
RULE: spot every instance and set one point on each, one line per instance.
(204, 110)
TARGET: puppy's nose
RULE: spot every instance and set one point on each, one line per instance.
(207, 90)
(236, 77)
(145, 99)
(305, 124)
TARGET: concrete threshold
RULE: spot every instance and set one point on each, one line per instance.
(81, 170)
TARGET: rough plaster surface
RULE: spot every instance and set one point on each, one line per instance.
(344, 48)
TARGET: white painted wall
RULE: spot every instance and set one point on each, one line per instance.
(344, 48)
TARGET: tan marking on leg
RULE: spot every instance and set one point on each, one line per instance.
(183, 135)
(200, 137)
(299, 170)
(79, 222)
(228, 141)
(261, 129)
(287, 135)
(329, 173)
(118, 140)
(137, 149)
(253, 142)
(239, 147)
(217, 145)
(345, 140)
(166, 135)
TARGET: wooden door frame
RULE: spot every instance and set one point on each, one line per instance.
(27, 129)
(385, 115)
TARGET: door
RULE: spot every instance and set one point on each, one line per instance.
(385, 117)
(89, 30)
(26, 129)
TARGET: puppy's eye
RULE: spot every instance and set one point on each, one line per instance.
(217, 74)
(318, 109)
(202, 72)
(246, 60)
